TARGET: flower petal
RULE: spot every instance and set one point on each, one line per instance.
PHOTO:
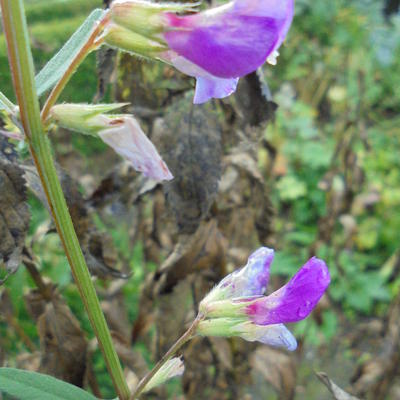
(231, 40)
(294, 301)
(253, 278)
(207, 85)
(245, 283)
(217, 88)
(274, 335)
(127, 138)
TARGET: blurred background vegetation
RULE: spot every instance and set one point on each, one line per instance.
(333, 176)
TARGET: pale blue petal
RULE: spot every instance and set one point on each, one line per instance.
(218, 88)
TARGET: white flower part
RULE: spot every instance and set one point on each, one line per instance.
(272, 58)
(127, 139)
(274, 335)
(173, 367)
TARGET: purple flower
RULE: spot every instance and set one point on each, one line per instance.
(237, 306)
(216, 46)
(224, 43)
(294, 301)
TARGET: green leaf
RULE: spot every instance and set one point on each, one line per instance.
(6, 104)
(291, 188)
(27, 385)
(56, 67)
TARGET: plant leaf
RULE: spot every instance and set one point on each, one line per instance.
(56, 67)
(14, 215)
(5, 104)
(27, 385)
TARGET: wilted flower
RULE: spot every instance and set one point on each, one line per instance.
(121, 132)
(216, 46)
(173, 367)
(237, 306)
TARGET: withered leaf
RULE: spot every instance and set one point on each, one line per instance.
(191, 144)
(337, 392)
(148, 86)
(253, 99)
(277, 368)
(203, 250)
(7, 150)
(62, 343)
(97, 246)
(14, 214)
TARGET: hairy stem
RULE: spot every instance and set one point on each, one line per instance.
(173, 349)
(21, 64)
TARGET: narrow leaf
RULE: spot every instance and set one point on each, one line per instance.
(6, 104)
(56, 67)
(27, 385)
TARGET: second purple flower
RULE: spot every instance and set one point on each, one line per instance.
(237, 306)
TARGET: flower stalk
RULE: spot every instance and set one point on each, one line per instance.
(173, 349)
(22, 71)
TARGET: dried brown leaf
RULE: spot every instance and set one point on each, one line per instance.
(253, 99)
(62, 343)
(277, 368)
(97, 246)
(190, 139)
(204, 250)
(14, 214)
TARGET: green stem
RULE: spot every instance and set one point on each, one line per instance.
(21, 64)
(173, 349)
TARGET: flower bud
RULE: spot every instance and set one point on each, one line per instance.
(173, 367)
(144, 17)
(82, 118)
(121, 132)
(132, 42)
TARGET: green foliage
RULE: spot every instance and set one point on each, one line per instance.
(26, 385)
(56, 67)
(336, 133)
(50, 26)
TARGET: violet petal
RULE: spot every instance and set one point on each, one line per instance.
(294, 301)
(231, 40)
(252, 279)
(207, 85)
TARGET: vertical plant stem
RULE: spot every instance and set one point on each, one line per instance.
(21, 64)
(173, 349)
